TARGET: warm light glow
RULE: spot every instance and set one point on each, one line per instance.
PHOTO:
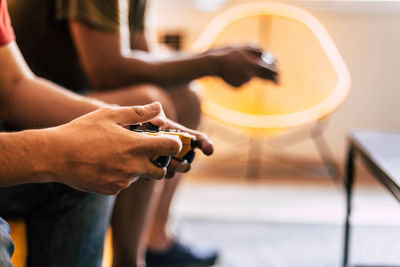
(314, 78)
(209, 5)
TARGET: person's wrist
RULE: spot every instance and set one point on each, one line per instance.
(46, 153)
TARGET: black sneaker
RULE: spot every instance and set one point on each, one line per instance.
(180, 255)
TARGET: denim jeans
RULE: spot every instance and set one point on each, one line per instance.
(65, 227)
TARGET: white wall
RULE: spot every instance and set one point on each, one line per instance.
(367, 33)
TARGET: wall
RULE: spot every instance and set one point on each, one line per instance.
(367, 33)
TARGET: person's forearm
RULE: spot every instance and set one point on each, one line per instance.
(178, 70)
(109, 64)
(175, 71)
(37, 103)
(23, 156)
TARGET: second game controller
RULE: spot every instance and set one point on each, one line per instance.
(268, 58)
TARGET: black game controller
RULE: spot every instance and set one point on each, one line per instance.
(189, 143)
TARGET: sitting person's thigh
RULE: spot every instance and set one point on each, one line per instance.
(65, 227)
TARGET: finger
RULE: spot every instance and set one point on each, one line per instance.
(239, 79)
(153, 172)
(161, 145)
(206, 143)
(170, 174)
(178, 166)
(160, 120)
(207, 146)
(135, 114)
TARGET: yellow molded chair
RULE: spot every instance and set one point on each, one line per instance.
(314, 79)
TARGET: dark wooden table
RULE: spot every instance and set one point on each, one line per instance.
(381, 153)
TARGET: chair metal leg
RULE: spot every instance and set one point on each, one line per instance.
(348, 187)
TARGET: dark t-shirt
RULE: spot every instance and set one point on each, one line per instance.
(45, 40)
(6, 31)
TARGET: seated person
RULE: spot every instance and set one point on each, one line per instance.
(58, 178)
(79, 45)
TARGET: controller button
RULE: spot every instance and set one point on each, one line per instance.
(190, 156)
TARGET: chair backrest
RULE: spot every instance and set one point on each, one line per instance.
(314, 78)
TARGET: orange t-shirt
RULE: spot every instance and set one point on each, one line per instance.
(6, 30)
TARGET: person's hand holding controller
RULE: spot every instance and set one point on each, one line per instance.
(99, 154)
(205, 143)
(237, 65)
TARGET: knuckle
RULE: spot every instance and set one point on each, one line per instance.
(123, 184)
(172, 144)
(159, 173)
(162, 173)
(112, 190)
(106, 110)
(175, 147)
(138, 111)
(188, 167)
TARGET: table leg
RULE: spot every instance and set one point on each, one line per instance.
(349, 181)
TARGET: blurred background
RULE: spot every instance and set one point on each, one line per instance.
(280, 215)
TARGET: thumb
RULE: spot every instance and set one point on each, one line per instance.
(136, 114)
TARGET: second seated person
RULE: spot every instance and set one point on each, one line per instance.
(79, 44)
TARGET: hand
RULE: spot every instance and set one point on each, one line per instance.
(98, 154)
(206, 145)
(237, 65)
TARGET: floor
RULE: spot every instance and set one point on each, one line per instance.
(282, 221)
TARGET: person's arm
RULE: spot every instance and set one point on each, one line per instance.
(93, 153)
(28, 101)
(107, 66)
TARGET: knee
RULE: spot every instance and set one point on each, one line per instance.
(152, 93)
(188, 106)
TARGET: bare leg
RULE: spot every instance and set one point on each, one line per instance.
(187, 104)
(162, 248)
(159, 237)
(133, 211)
(146, 202)
(135, 207)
